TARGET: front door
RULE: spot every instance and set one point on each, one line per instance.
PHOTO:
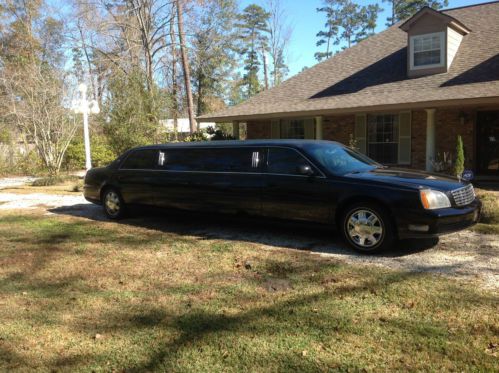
(488, 142)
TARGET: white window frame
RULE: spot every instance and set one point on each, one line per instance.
(441, 36)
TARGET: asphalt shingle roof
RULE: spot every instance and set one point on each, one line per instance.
(374, 73)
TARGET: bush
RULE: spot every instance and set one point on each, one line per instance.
(48, 181)
(101, 153)
(459, 164)
(54, 180)
(490, 208)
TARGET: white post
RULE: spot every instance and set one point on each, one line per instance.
(86, 135)
(430, 138)
(85, 107)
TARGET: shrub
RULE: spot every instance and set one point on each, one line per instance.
(48, 181)
(100, 151)
(54, 180)
(459, 164)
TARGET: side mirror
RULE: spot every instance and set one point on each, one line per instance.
(305, 169)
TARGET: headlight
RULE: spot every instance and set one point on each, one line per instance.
(433, 199)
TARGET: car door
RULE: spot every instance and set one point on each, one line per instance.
(233, 181)
(179, 177)
(211, 179)
(294, 188)
(136, 176)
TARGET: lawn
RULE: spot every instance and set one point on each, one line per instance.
(82, 295)
(489, 222)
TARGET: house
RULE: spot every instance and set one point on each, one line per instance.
(403, 95)
(183, 125)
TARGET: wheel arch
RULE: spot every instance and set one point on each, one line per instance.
(106, 187)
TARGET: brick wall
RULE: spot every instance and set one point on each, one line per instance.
(260, 129)
(338, 128)
(449, 126)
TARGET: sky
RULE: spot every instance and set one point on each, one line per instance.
(307, 22)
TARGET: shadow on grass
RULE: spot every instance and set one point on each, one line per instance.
(294, 235)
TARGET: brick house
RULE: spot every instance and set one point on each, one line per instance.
(403, 95)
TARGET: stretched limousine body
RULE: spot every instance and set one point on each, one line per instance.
(314, 181)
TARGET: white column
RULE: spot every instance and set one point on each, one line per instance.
(318, 128)
(430, 138)
(235, 129)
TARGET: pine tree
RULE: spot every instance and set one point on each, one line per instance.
(347, 24)
(254, 37)
(459, 165)
(403, 9)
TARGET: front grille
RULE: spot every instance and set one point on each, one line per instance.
(464, 196)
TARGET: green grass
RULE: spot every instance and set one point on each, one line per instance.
(80, 295)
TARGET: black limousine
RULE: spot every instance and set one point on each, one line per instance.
(311, 181)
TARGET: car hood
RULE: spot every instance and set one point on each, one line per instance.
(409, 178)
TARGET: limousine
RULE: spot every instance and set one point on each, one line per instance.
(321, 182)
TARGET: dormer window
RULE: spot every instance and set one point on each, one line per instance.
(433, 40)
(427, 50)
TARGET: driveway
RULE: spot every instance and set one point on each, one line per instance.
(466, 255)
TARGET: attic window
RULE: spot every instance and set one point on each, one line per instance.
(427, 50)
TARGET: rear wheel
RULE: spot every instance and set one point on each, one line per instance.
(113, 203)
(368, 228)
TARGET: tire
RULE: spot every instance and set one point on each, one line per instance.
(368, 228)
(113, 204)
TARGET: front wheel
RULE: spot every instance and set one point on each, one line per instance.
(113, 203)
(368, 228)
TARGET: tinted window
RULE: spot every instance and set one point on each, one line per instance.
(285, 161)
(213, 160)
(141, 159)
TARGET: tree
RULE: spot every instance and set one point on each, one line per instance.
(403, 9)
(253, 26)
(347, 24)
(213, 48)
(133, 112)
(186, 66)
(459, 164)
(33, 83)
(279, 37)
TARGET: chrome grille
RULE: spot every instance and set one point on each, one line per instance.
(464, 196)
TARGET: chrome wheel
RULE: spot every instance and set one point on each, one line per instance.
(112, 203)
(365, 228)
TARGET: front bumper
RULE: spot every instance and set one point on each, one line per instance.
(91, 193)
(437, 222)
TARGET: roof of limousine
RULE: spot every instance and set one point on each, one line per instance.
(241, 143)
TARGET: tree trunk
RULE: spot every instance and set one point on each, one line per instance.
(265, 69)
(185, 65)
(174, 73)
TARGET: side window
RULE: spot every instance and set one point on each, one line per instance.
(183, 160)
(141, 160)
(285, 161)
(211, 160)
(232, 160)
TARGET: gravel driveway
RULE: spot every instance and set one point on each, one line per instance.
(465, 255)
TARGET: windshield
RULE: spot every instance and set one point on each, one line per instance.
(341, 160)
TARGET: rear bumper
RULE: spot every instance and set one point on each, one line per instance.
(432, 223)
